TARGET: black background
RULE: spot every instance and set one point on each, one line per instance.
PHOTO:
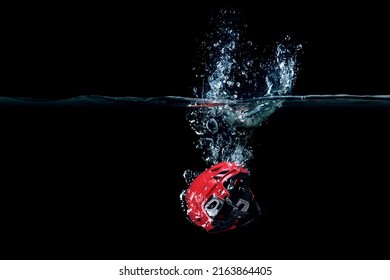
(104, 182)
(147, 49)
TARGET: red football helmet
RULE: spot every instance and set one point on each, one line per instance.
(219, 199)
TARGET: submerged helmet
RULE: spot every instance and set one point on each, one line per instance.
(219, 199)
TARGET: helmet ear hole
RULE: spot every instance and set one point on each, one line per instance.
(242, 205)
(213, 205)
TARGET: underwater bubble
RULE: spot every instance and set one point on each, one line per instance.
(212, 126)
(189, 176)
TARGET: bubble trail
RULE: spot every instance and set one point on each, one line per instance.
(232, 70)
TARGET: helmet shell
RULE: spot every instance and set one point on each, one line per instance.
(208, 192)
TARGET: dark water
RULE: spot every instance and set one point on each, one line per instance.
(100, 178)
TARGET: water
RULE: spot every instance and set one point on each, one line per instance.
(114, 168)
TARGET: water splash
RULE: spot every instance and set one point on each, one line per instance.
(232, 70)
(227, 67)
(282, 68)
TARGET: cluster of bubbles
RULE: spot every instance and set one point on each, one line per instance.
(232, 72)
